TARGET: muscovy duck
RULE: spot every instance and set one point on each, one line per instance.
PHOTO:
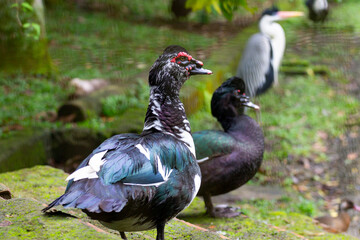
(318, 10)
(229, 158)
(261, 59)
(137, 182)
(340, 223)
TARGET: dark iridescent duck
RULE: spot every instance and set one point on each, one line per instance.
(229, 158)
(340, 223)
(137, 182)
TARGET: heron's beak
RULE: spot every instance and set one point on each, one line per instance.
(289, 14)
(196, 68)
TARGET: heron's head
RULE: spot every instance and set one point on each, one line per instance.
(274, 14)
(229, 99)
(174, 67)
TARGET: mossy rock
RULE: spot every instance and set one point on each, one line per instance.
(26, 148)
(33, 188)
(63, 147)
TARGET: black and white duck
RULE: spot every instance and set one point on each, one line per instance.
(229, 158)
(135, 182)
(318, 10)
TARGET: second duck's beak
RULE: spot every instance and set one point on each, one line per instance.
(252, 105)
(247, 103)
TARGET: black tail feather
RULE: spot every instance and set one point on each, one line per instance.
(54, 203)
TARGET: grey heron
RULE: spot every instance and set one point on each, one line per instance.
(318, 9)
(263, 53)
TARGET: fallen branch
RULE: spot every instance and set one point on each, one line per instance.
(199, 228)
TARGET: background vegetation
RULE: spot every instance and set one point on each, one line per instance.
(305, 119)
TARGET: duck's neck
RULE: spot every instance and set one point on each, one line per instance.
(243, 127)
(166, 114)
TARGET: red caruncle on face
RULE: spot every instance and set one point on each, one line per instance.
(181, 54)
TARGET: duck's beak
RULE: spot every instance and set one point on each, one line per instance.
(252, 105)
(196, 68)
(247, 103)
(357, 208)
(289, 14)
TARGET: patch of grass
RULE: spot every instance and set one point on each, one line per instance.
(294, 114)
(92, 45)
(25, 100)
(136, 97)
(263, 219)
(350, 10)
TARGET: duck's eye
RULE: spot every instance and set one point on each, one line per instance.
(237, 92)
(183, 58)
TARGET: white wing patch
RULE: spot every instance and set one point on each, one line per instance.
(202, 160)
(197, 181)
(197, 184)
(144, 151)
(89, 171)
(164, 172)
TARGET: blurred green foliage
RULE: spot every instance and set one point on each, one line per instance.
(25, 102)
(136, 97)
(93, 44)
(224, 7)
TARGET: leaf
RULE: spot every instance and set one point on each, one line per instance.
(26, 25)
(26, 6)
(224, 7)
(14, 5)
(36, 28)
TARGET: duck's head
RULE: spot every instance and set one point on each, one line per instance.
(274, 14)
(173, 68)
(229, 100)
(347, 204)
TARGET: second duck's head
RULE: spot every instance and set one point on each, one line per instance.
(229, 100)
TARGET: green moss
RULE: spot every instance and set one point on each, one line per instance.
(40, 182)
(28, 222)
(34, 187)
(264, 219)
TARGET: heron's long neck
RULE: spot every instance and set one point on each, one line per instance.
(277, 37)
